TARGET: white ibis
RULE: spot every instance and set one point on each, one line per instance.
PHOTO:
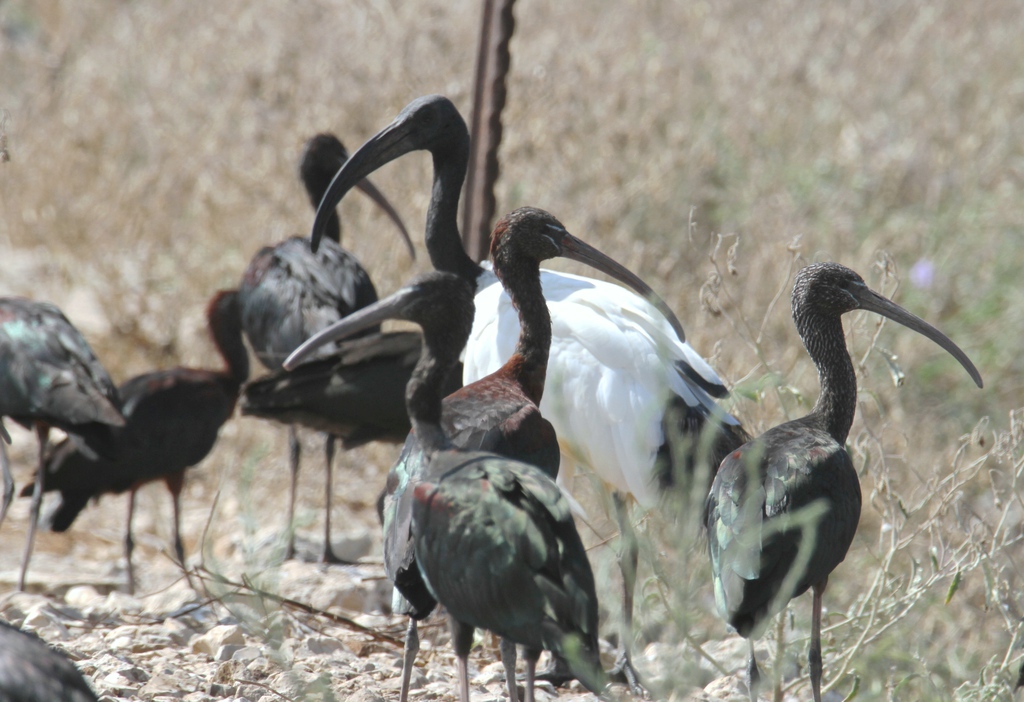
(620, 370)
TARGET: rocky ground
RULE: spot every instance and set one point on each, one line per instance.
(332, 639)
(180, 644)
(169, 641)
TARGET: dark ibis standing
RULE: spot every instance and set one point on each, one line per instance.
(499, 413)
(288, 293)
(614, 354)
(797, 479)
(173, 418)
(357, 393)
(31, 671)
(49, 377)
(515, 564)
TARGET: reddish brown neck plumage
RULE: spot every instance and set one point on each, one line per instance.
(519, 273)
(225, 321)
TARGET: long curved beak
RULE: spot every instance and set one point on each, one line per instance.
(382, 202)
(578, 250)
(873, 302)
(384, 147)
(391, 307)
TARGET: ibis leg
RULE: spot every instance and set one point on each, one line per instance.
(462, 641)
(814, 655)
(531, 655)
(129, 542)
(5, 468)
(753, 674)
(328, 555)
(463, 679)
(412, 647)
(43, 433)
(508, 659)
(175, 483)
(629, 555)
(294, 456)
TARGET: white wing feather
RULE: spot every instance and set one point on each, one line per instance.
(610, 374)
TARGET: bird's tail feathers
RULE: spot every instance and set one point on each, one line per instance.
(696, 442)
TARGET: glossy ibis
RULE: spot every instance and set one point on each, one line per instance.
(49, 377)
(31, 671)
(357, 394)
(797, 479)
(288, 293)
(614, 354)
(514, 525)
(498, 413)
(173, 417)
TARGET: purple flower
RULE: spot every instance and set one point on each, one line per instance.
(922, 274)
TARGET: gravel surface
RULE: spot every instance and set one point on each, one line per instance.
(335, 640)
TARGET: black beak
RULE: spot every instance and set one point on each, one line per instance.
(387, 145)
(869, 300)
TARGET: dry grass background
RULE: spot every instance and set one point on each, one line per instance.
(712, 147)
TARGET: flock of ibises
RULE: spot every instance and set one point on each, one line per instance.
(517, 372)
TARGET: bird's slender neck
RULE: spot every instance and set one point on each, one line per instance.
(425, 390)
(227, 336)
(444, 244)
(826, 344)
(529, 363)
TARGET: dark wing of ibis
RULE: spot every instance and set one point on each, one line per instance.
(491, 415)
(288, 293)
(762, 503)
(31, 671)
(51, 374)
(694, 437)
(357, 394)
(173, 418)
(399, 551)
(497, 545)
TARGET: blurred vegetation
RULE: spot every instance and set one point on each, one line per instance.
(713, 147)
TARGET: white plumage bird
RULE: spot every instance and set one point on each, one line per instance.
(611, 374)
(619, 372)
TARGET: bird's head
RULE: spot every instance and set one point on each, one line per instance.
(829, 288)
(529, 235)
(322, 160)
(824, 290)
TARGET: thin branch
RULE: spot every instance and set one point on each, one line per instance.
(308, 609)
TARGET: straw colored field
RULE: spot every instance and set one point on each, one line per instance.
(711, 146)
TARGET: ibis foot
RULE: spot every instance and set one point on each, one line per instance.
(624, 672)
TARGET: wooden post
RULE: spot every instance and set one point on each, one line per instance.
(492, 65)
